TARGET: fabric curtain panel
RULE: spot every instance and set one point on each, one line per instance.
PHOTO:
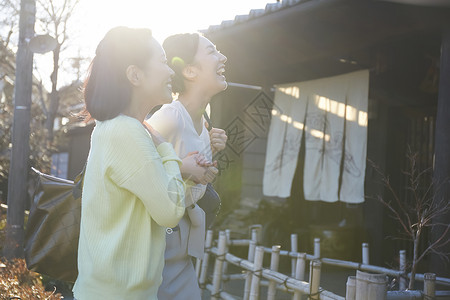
(352, 187)
(285, 135)
(332, 115)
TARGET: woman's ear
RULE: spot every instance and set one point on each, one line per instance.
(133, 75)
(190, 72)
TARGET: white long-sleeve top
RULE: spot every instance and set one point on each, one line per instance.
(175, 124)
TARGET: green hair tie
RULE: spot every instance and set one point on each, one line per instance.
(178, 62)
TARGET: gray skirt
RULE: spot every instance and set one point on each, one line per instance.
(179, 277)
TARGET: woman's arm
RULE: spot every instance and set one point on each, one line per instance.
(151, 173)
(167, 123)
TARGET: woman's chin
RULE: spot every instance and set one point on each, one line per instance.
(222, 85)
(225, 85)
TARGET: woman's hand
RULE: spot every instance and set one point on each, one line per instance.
(218, 139)
(211, 174)
(156, 137)
(204, 162)
(191, 170)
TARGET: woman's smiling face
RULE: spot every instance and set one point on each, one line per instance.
(211, 66)
(158, 75)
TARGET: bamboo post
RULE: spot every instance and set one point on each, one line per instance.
(365, 253)
(198, 266)
(301, 266)
(248, 277)
(316, 248)
(227, 248)
(255, 237)
(314, 279)
(257, 272)
(294, 248)
(429, 286)
(361, 287)
(228, 235)
(217, 275)
(256, 233)
(274, 261)
(402, 278)
(208, 243)
(350, 293)
(370, 286)
(299, 272)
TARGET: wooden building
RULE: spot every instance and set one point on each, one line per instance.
(405, 46)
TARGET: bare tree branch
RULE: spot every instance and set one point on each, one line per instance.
(55, 16)
(443, 255)
(397, 216)
(417, 209)
(436, 243)
(41, 96)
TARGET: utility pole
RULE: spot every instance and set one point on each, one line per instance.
(18, 171)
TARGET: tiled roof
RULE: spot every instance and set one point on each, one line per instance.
(254, 13)
(273, 7)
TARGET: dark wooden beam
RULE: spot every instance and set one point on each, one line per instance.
(442, 156)
(436, 3)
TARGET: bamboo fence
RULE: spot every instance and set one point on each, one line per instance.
(363, 286)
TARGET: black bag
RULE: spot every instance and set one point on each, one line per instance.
(210, 203)
(53, 227)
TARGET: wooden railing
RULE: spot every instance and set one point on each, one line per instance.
(255, 275)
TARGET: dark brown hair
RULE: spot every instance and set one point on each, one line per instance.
(107, 91)
(180, 50)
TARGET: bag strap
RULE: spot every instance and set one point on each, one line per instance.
(79, 180)
(208, 120)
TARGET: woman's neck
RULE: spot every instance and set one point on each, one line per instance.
(195, 104)
(135, 113)
(138, 109)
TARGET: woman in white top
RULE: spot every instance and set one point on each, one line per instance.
(199, 69)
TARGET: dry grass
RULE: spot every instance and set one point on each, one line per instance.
(16, 281)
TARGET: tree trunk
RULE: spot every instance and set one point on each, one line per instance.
(442, 157)
(54, 97)
(414, 262)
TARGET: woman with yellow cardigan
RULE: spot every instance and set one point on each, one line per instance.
(133, 190)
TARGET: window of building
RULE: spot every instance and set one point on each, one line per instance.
(60, 164)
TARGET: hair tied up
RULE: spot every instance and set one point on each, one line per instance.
(178, 62)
